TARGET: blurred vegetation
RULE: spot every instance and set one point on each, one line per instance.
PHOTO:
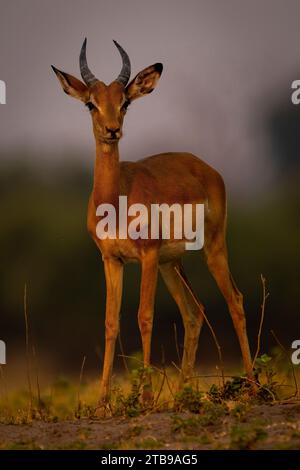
(44, 243)
(196, 414)
(206, 395)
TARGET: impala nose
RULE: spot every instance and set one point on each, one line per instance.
(114, 132)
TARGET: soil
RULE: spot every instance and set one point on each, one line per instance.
(263, 427)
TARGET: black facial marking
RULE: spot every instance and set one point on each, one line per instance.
(125, 105)
(90, 106)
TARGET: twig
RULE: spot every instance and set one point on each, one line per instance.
(265, 295)
(141, 362)
(176, 366)
(155, 407)
(81, 370)
(176, 342)
(296, 394)
(163, 372)
(257, 384)
(28, 362)
(164, 377)
(214, 376)
(208, 324)
(160, 390)
(37, 377)
(123, 355)
(80, 382)
(168, 383)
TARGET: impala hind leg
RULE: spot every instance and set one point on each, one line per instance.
(114, 280)
(192, 314)
(146, 310)
(217, 262)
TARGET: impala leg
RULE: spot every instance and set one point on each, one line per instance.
(192, 314)
(218, 265)
(114, 281)
(146, 307)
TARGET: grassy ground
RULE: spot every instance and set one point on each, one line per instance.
(260, 427)
(211, 413)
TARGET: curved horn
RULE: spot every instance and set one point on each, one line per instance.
(86, 74)
(124, 75)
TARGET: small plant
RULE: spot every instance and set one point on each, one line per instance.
(240, 411)
(264, 371)
(188, 399)
(24, 444)
(149, 443)
(188, 426)
(84, 411)
(210, 414)
(244, 437)
(109, 446)
(239, 386)
(233, 389)
(75, 445)
(131, 405)
(135, 431)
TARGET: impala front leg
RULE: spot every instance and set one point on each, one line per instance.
(114, 282)
(146, 307)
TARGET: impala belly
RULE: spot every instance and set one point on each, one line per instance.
(129, 253)
(171, 249)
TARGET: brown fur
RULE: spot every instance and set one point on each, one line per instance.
(164, 178)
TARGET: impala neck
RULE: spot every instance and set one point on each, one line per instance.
(106, 174)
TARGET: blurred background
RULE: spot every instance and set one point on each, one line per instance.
(225, 95)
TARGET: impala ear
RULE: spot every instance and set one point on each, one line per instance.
(144, 82)
(72, 86)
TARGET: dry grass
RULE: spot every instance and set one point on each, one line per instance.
(206, 415)
(210, 411)
(70, 399)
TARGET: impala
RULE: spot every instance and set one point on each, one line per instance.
(165, 178)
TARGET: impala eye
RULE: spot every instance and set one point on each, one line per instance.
(90, 106)
(125, 105)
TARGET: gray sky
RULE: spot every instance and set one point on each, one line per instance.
(225, 62)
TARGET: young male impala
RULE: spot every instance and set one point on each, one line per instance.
(164, 178)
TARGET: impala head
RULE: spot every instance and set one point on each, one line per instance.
(108, 103)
